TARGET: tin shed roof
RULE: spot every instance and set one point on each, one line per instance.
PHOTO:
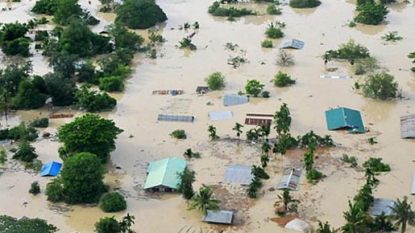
(292, 44)
(234, 99)
(162, 117)
(221, 216)
(408, 126)
(238, 174)
(164, 172)
(290, 179)
(344, 118)
(220, 115)
(382, 205)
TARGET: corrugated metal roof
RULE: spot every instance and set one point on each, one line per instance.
(50, 169)
(408, 126)
(380, 205)
(413, 184)
(344, 118)
(221, 216)
(292, 44)
(164, 172)
(290, 179)
(339, 76)
(220, 115)
(162, 117)
(233, 99)
(200, 89)
(238, 174)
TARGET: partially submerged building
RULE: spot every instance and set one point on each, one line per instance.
(290, 179)
(219, 217)
(344, 118)
(50, 169)
(292, 44)
(220, 115)
(238, 174)
(234, 99)
(382, 205)
(408, 126)
(162, 175)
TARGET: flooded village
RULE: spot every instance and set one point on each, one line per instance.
(167, 90)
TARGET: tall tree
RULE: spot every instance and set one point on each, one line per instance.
(61, 90)
(356, 219)
(403, 214)
(254, 87)
(139, 14)
(203, 200)
(212, 132)
(89, 133)
(238, 128)
(185, 187)
(10, 224)
(65, 11)
(81, 178)
(123, 38)
(282, 120)
(287, 201)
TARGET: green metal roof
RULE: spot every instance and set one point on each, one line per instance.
(344, 118)
(164, 172)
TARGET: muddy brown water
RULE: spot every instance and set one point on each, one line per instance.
(321, 29)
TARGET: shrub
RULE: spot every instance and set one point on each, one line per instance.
(376, 165)
(34, 188)
(215, 81)
(253, 87)
(54, 190)
(352, 24)
(371, 13)
(25, 152)
(274, 31)
(111, 84)
(40, 123)
(267, 44)
(366, 65)
(259, 172)
(35, 165)
(349, 51)
(283, 80)
(313, 175)
(284, 59)
(391, 36)
(107, 225)
(216, 10)
(352, 160)
(92, 101)
(3, 156)
(186, 42)
(380, 86)
(272, 9)
(265, 94)
(179, 134)
(113, 202)
(41, 35)
(304, 3)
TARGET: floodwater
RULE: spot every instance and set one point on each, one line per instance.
(145, 140)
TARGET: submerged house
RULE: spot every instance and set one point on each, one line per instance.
(162, 175)
(344, 118)
(234, 99)
(219, 217)
(408, 126)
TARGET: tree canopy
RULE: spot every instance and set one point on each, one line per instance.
(139, 14)
(81, 179)
(89, 133)
(10, 224)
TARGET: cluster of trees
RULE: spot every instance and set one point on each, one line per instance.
(10, 224)
(274, 30)
(13, 39)
(139, 14)
(87, 142)
(111, 225)
(216, 10)
(381, 86)
(350, 51)
(259, 173)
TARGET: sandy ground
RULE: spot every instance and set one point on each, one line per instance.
(321, 29)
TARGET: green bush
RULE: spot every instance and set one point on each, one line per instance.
(371, 13)
(3, 156)
(376, 165)
(216, 10)
(304, 3)
(92, 101)
(111, 84)
(54, 190)
(265, 94)
(267, 44)
(274, 31)
(314, 175)
(282, 80)
(272, 9)
(179, 134)
(40, 123)
(350, 51)
(25, 152)
(215, 81)
(380, 86)
(113, 202)
(139, 14)
(352, 160)
(107, 225)
(34, 188)
(41, 35)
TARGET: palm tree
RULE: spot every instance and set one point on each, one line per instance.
(188, 153)
(252, 134)
(237, 128)
(287, 201)
(264, 161)
(371, 177)
(324, 228)
(356, 219)
(403, 214)
(203, 200)
(126, 223)
(212, 132)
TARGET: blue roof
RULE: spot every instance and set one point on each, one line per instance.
(50, 169)
(164, 173)
(344, 118)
